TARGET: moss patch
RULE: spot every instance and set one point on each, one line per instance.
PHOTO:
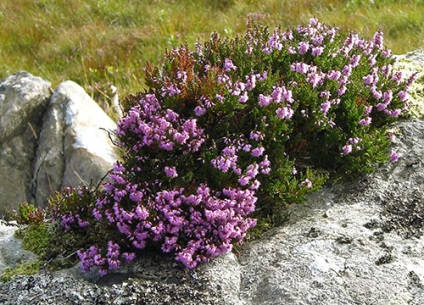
(25, 268)
(35, 238)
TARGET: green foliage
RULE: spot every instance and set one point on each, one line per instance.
(313, 142)
(36, 238)
(25, 268)
(28, 213)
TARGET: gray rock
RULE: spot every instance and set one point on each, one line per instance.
(368, 250)
(48, 141)
(11, 252)
(413, 62)
(23, 100)
(74, 147)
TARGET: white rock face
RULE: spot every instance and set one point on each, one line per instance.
(23, 100)
(49, 141)
(75, 147)
(11, 252)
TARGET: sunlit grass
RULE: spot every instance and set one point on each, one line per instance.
(109, 41)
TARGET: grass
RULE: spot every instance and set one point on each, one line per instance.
(99, 43)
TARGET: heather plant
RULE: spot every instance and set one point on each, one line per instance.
(229, 134)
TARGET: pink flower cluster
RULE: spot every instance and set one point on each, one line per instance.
(196, 223)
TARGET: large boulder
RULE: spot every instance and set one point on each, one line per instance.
(23, 101)
(49, 141)
(75, 146)
(356, 244)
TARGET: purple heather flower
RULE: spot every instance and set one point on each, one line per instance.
(255, 185)
(386, 53)
(128, 256)
(378, 40)
(333, 75)
(256, 135)
(395, 113)
(403, 96)
(372, 60)
(354, 140)
(250, 82)
(117, 179)
(182, 75)
(306, 183)
(377, 94)
(228, 65)
(315, 79)
(247, 147)
(314, 22)
(266, 170)
(325, 106)
(397, 77)
(368, 80)
(355, 60)
(243, 180)
(181, 138)
(244, 97)
(300, 67)
(316, 51)
(388, 96)
(365, 121)
(368, 110)
(229, 151)
(113, 263)
(170, 90)
(394, 156)
(274, 41)
(82, 223)
(284, 113)
(347, 149)
(221, 163)
(347, 70)
(303, 47)
(258, 151)
(381, 106)
(264, 100)
(341, 90)
(96, 213)
(252, 170)
(168, 145)
(386, 70)
(199, 111)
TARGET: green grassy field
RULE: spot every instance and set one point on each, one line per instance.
(98, 43)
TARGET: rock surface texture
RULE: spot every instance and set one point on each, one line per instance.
(358, 243)
(49, 140)
(23, 100)
(74, 146)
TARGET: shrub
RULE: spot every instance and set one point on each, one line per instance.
(231, 133)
